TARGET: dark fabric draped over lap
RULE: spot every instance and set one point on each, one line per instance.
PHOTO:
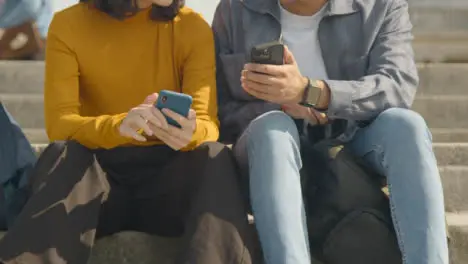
(81, 195)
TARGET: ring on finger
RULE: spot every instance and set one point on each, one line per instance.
(146, 120)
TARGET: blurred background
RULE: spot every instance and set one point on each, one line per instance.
(206, 7)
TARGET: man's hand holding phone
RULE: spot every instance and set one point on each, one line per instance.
(274, 76)
(281, 84)
(147, 118)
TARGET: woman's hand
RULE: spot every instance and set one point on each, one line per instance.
(152, 122)
(312, 116)
(141, 118)
(174, 137)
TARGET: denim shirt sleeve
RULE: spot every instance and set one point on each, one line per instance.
(17, 156)
(235, 113)
(391, 79)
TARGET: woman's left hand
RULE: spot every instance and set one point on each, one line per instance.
(174, 137)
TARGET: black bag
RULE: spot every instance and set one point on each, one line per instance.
(348, 212)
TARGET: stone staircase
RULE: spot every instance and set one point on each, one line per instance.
(441, 29)
(441, 45)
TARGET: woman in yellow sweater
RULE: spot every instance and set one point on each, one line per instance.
(115, 163)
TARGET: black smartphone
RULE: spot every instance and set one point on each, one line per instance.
(268, 53)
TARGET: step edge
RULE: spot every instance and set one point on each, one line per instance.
(455, 97)
(450, 144)
(21, 96)
(459, 219)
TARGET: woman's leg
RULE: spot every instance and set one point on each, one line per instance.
(270, 149)
(58, 223)
(197, 194)
(398, 144)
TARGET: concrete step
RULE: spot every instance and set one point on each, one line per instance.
(436, 19)
(134, 247)
(439, 111)
(36, 135)
(436, 78)
(438, 3)
(447, 135)
(443, 78)
(27, 109)
(131, 247)
(449, 47)
(455, 182)
(451, 154)
(443, 111)
(441, 30)
(458, 230)
(21, 77)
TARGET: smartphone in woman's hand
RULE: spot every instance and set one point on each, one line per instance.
(176, 102)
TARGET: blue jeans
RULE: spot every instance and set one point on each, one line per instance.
(17, 12)
(397, 144)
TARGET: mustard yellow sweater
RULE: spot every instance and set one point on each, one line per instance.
(98, 68)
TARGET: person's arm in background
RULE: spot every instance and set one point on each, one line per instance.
(233, 114)
(62, 96)
(199, 79)
(392, 77)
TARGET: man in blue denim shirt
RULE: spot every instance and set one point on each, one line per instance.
(16, 162)
(349, 68)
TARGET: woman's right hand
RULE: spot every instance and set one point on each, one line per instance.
(139, 119)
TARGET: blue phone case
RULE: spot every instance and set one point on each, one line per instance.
(177, 102)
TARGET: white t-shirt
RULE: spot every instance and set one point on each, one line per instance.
(300, 34)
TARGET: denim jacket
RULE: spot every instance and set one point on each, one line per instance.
(16, 162)
(366, 46)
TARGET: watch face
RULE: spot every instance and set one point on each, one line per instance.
(313, 95)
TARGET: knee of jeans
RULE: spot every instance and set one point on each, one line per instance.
(274, 127)
(271, 139)
(405, 125)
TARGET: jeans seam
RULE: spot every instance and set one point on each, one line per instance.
(398, 231)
